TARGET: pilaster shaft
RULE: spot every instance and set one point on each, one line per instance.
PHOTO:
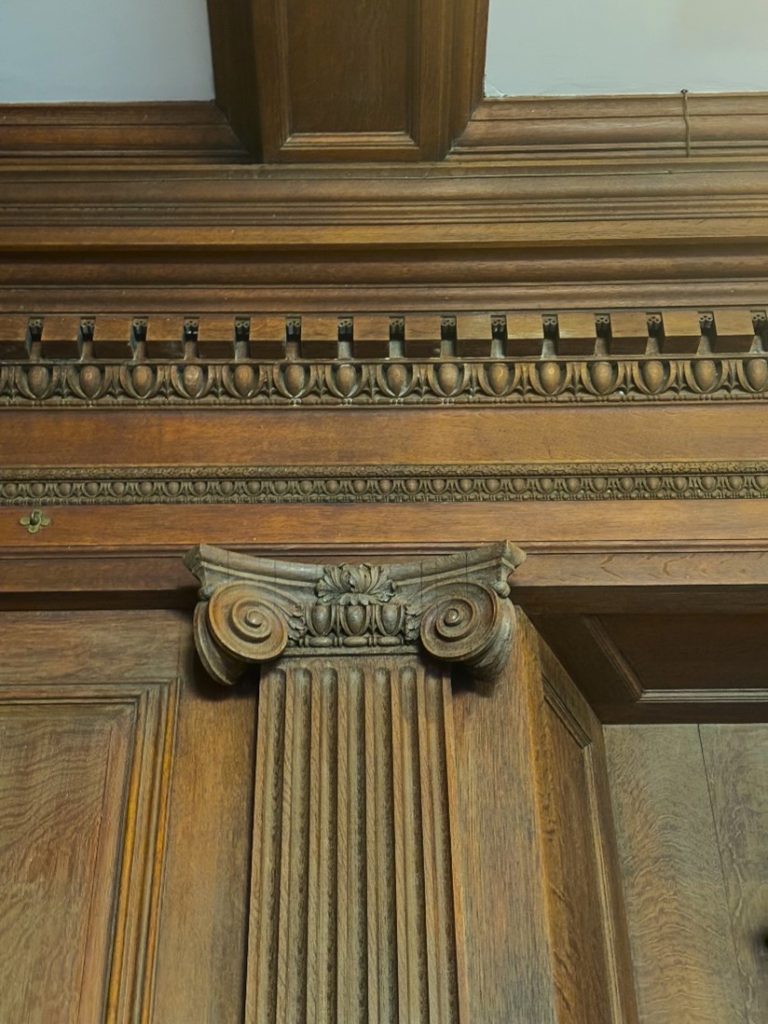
(353, 913)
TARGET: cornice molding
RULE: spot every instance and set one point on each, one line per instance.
(481, 359)
(345, 484)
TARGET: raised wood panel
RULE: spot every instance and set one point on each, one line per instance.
(84, 773)
(693, 942)
(63, 784)
(126, 785)
(392, 80)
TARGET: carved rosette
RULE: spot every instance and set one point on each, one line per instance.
(253, 611)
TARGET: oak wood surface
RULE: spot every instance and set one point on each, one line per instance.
(542, 748)
(692, 913)
(736, 763)
(415, 437)
(125, 791)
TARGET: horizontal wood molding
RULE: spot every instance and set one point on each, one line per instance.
(378, 360)
(404, 484)
(135, 132)
(593, 128)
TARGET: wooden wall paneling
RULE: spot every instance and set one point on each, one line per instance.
(535, 857)
(85, 778)
(736, 764)
(421, 851)
(680, 924)
(203, 939)
(377, 81)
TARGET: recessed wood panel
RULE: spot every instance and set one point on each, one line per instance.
(675, 652)
(83, 791)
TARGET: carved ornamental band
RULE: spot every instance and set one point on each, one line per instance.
(256, 610)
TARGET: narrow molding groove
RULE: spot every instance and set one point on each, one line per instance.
(345, 484)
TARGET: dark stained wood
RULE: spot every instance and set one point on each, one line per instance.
(592, 127)
(689, 808)
(699, 651)
(685, 665)
(388, 80)
(111, 132)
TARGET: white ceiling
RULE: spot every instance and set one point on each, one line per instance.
(57, 51)
(560, 47)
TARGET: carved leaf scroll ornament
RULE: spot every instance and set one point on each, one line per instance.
(255, 610)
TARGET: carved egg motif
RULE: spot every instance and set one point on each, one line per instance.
(551, 377)
(654, 375)
(320, 619)
(142, 379)
(295, 377)
(756, 372)
(449, 378)
(90, 380)
(346, 379)
(355, 616)
(603, 376)
(498, 378)
(390, 617)
(705, 374)
(192, 379)
(244, 379)
(397, 379)
(38, 379)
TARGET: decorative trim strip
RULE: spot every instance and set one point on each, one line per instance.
(268, 485)
(399, 382)
(379, 360)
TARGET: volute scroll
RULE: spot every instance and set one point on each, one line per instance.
(255, 610)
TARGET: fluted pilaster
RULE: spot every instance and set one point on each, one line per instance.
(353, 915)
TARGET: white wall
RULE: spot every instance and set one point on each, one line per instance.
(564, 47)
(69, 50)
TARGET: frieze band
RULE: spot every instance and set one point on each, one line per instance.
(387, 382)
(269, 485)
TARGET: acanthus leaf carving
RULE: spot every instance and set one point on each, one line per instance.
(255, 610)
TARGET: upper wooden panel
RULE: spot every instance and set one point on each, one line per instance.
(372, 80)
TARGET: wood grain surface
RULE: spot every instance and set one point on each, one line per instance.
(689, 804)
